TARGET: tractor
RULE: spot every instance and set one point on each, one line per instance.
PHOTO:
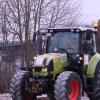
(68, 67)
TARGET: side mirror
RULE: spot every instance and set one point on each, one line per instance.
(39, 44)
(88, 35)
(39, 32)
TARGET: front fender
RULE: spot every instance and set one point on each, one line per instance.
(92, 65)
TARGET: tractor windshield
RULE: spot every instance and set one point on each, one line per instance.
(65, 40)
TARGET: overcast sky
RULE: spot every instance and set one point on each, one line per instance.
(91, 10)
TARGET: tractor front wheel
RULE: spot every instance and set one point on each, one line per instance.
(68, 86)
(17, 88)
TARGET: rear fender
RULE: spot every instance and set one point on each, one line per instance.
(92, 65)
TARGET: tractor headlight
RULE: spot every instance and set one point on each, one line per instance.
(44, 69)
(80, 58)
(34, 59)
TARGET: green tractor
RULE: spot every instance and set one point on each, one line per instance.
(68, 67)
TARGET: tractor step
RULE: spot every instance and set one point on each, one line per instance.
(42, 97)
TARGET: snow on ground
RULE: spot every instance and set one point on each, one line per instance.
(7, 97)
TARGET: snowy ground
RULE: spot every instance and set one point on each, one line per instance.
(7, 97)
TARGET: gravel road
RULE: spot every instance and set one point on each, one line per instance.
(7, 97)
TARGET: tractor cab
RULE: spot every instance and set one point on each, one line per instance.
(76, 42)
(73, 40)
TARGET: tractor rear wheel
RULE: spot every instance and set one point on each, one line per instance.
(68, 86)
(17, 88)
(96, 82)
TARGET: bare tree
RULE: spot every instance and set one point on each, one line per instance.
(19, 22)
(28, 16)
(5, 55)
(60, 13)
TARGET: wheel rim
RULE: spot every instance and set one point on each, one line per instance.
(27, 96)
(74, 90)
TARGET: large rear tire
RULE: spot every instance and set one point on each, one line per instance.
(96, 82)
(17, 88)
(68, 86)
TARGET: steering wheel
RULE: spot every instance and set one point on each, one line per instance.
(63, 50)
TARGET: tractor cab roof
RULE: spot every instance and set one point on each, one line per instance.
(71, 29)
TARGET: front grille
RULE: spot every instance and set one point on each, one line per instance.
(38, 69)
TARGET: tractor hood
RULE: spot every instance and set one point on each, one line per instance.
(43, 60)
